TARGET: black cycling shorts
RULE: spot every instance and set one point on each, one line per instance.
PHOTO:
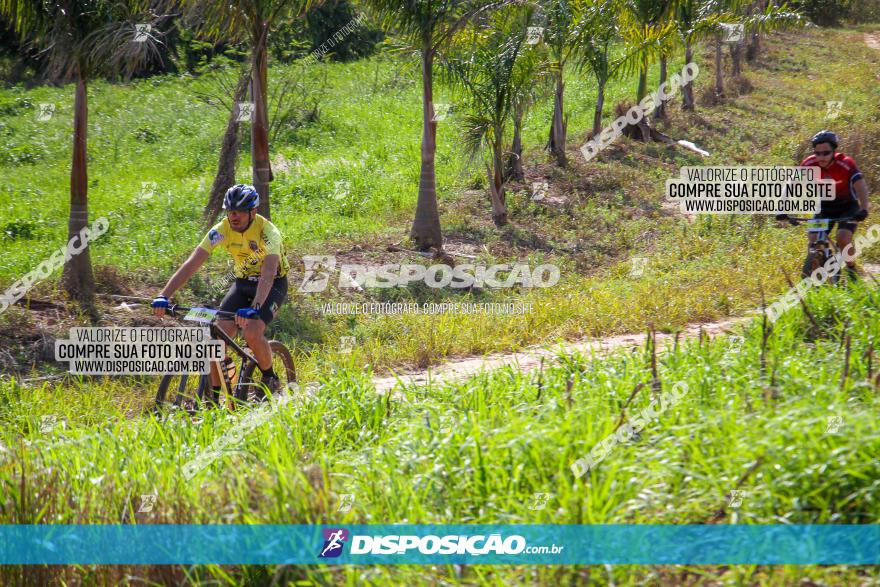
(241, 295)
(835, 209)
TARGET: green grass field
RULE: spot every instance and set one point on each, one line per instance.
(478, 451)
(351, 182)
(85, 450)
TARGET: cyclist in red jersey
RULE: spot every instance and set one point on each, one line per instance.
(851, 191)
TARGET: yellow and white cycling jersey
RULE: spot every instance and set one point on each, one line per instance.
(248, 248)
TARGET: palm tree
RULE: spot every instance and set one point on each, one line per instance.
(81, 40)
(429, 26)
(495, 86)
(559, 37)
(694, 20)
(667, 49)
(252, 20)
(753, 45)
(645, 29)
(529, 84)
(595, 32)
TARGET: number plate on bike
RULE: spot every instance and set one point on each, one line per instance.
(203, 315)
(817, 225)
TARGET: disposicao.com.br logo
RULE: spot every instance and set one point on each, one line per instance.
(334, 541)
(319, 270)
(453, 544)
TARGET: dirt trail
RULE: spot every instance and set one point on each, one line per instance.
(530, 357)
(872, 40)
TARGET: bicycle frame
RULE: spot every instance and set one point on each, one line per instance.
(217, 332)
(823, 243)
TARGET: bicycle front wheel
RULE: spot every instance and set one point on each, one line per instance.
(811, 263)
(182, 391)
(282, 364)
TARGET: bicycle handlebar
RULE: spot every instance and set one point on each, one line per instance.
(175, 309)
(795, 220)
(172, 309)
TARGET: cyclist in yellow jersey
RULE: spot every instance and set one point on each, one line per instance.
(260, 270)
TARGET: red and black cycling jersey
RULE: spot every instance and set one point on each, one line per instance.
(843, 170)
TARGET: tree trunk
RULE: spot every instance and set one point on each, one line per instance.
(514, 163)
(425, 231)
(754, 45)
(558, 126)
(735, 52)
(660, 108)
(645, 129)
(226, 166)
(496, 183)
(262, 169)
(600, 102)
(687, 90)
(645, 124)
(77, 277)
(719, 75)
(643, 84)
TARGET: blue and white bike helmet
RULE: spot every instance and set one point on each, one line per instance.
(241, 197)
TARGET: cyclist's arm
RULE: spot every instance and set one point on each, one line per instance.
(861, 189)
(187, 270)
(267, 276)
(272, 238)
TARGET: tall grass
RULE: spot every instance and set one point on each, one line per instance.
(478, 451)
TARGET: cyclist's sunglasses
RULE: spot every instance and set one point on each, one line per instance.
(822, 153)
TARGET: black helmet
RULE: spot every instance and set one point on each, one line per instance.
(241, 197)
(825, 136)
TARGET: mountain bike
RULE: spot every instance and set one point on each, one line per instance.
(193, 391)
(824, 248)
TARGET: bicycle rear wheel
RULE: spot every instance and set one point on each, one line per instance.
(282, 364)
(182, 391)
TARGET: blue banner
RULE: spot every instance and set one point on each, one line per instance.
(543, 544)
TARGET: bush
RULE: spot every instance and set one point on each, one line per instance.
(824, 12)
(196, 55)
(22, 155)
(864, 10)
(298, 38)
(146, 135)
(20, 229)
(742, 85)
(12, 106)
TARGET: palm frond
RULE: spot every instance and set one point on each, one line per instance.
(236, 20)
(776, 18)
(476, 130)
(644, 45)
(85, 37)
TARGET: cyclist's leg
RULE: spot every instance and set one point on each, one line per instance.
(845, 232)
(255, 335)
(844, 238)
(255, 331)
